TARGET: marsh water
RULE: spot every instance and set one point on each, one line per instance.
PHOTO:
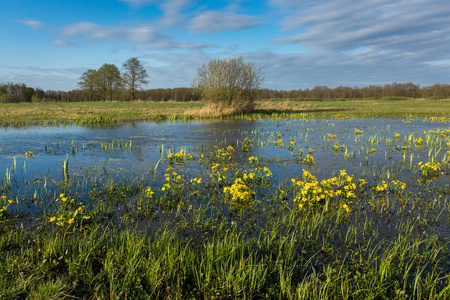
(32, 159)
(137, 147)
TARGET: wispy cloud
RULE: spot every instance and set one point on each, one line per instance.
(405, 25)
(144, 36)
(172, 10)
(87, 30)
(32, 23)
(138, 2)
(361, 68)
(215, 21)
(63, 43)
(29, 69)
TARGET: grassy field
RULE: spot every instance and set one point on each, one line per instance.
(116, 112)
(370, 108)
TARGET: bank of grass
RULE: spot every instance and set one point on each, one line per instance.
(118, 112)
(300, 263)
(362, 108)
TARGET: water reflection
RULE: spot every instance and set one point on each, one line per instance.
(137, 146)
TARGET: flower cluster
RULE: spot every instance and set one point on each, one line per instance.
(309, 192)
(309, 161)
(253, 160)
(358, 132)
(219, 172)
(150, 193)
(241, 193)
(195, 181)
(331, 137)
(430, 171)
(381, 187)
(70, 212)
(4, 204)
(179, 157)
(291, 146)
(173, 181)
(242, 190)
(399, 185)
(68, 218)
(278, 142)
(246, 144)
(222, 154)
(444, 133)
(418, 142)
(257, 176)
(393, 186)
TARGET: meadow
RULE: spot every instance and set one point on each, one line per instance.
(299, 200)
(91, 113)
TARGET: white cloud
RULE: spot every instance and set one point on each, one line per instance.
(144, 36)
(138, 2)
(354, 23)
(215, 21)
(394, 39)
(33, 24)
(62, 43)
(172, 10)
(93, 31)
(45, 78)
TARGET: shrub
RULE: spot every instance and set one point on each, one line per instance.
(229, 85)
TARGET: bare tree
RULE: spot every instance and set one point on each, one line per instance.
(229, 84)
(134, 75)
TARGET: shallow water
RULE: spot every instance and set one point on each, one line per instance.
(83, 145)
(136, 150)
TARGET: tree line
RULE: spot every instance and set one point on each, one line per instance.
(231, 80)
(15, 93)
(393, 91)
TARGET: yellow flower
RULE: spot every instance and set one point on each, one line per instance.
(252, 159)
(71, 221)
(52, 219)
(345, 206)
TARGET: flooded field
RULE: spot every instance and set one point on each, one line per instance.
(369, 196)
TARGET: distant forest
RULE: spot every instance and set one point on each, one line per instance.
(15, 93)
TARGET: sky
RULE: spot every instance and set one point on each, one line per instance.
(298, 44)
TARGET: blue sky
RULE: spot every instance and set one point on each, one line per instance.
(297, 43)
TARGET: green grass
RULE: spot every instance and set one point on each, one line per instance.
(362, 108)
(87, 113)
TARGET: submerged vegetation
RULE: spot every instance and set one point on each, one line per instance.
(316, 209)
